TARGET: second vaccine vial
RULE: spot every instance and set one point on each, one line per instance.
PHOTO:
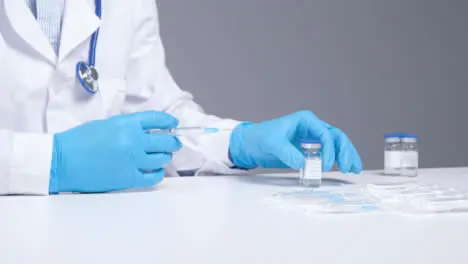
(410, 155)
(401, 155)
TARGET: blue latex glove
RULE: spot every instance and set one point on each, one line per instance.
(276, 144)
(113, 154)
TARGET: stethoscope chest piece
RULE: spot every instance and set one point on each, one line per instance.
(88, 76)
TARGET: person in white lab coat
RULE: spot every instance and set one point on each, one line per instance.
(56, 136)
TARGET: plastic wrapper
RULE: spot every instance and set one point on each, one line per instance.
(407, 198)
(329, 201)
(418, 198)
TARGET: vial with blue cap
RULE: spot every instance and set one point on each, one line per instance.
(311, 175)
(410, 155)
(392, 154)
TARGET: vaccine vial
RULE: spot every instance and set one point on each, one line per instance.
(410, 156)
(393, 153)
(311, 174)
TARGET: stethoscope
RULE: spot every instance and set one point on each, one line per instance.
(86, 72)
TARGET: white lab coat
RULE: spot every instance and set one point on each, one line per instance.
(39, 93)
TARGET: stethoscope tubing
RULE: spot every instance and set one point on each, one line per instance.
(94, 37)
(92, 53)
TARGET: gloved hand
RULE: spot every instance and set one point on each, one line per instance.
(276, 144)
(113, 154)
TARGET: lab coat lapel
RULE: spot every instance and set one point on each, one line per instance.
(79, 23)
(23, 22)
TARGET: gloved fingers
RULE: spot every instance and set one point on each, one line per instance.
(342, 154)
(344, 161)
(155, 120)
(328, 126)
(355, 169)
(161, 143)
(318, 129)
(346, 154)
(148, 162)
(328, 151)
(273, 163)
(149, 179)
(357, 164)
(287, 153)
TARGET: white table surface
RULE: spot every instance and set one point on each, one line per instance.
(224, 219)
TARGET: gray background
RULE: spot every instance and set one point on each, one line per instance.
(366, 66)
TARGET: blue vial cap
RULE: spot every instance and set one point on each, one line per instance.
(394, 135)
(310, 141)
(410, 136)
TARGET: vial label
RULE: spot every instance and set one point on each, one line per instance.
(409, 159)
(312, 169)
(392, 159)
(392, 162)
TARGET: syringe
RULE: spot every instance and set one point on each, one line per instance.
(187, 131)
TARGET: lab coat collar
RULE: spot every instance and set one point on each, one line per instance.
(79, 23)
(23, 22)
